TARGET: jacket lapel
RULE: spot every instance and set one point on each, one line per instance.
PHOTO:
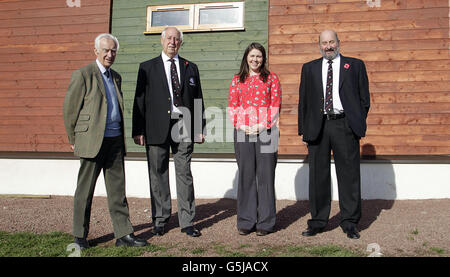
(162, 73)
(342, 71)
(317, 73)
(182, 71)
(118, 91)
(98, 75)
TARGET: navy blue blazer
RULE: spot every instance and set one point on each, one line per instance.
(152, 103)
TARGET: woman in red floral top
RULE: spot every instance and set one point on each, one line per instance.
(253, 107)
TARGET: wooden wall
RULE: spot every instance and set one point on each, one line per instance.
(405, 45)
(42, 42)
(217, 54)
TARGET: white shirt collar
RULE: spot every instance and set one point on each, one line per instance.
(167, 58)
(337, 59)
(100, 66)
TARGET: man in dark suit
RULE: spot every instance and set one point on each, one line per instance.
(168, 114)
(333, 104)
(93, 113)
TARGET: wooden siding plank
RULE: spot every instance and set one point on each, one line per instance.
(391, 108)
(343, 27)
(290, 120)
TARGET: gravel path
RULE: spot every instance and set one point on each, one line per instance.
(402, 228)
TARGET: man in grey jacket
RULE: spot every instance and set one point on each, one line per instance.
(93, 117)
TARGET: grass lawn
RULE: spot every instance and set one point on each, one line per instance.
(59, 244)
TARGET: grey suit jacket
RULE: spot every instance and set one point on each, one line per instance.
(85, 108)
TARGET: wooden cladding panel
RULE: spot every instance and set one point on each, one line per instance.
(405, 47)
(42, 43)
(217, 55)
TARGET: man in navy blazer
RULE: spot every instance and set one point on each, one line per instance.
(168, 114)
(334, 101)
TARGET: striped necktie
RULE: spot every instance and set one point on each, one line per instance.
(329, 90)
(176, 88)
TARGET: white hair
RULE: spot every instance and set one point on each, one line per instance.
(163, 34)
(107, 36)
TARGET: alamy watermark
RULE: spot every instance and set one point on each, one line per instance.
(374, 250)
(220, 128)
(373, 3)
(73, 3)
(74, 250)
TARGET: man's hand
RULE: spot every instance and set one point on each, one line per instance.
(304, 142)
(245, 129)
(139, 140)
(259, 128)
(199, 138)
(253, 130)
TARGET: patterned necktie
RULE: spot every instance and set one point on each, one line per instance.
(107, 74)
(329, 90)
(176, 88)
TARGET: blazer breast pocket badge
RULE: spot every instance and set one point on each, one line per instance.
(192, 82)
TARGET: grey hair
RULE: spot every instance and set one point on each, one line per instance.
(163, 34)
(107, 36)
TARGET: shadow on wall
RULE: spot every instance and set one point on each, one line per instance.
(292, 213)
(377, 185)
(378, 188)
(212, 213)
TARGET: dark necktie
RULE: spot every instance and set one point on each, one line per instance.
(107, 74)
(176, 88)
(329, 90)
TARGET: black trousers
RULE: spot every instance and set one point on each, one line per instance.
(256, 159)
(337, 136)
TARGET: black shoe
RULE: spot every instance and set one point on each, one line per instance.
(158, 231)
(82, 243)
(130, 240)
(262, 232)
(352, 233)
(191, 231)
(310, 232)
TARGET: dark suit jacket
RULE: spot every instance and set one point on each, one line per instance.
(353, 92)
(152, 104)
(85, 109)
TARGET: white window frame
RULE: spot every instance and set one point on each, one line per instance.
(162, 8)
(194, 17)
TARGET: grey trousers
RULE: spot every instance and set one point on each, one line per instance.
(110, 160)
(256, 184)
(158, 168)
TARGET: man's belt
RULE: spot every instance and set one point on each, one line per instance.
(334, 116)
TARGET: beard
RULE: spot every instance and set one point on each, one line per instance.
(332, 55)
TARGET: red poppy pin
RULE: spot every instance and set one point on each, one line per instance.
(346, 66)
(186, 63)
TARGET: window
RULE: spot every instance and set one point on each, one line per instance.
(196, 17)
(158, 17)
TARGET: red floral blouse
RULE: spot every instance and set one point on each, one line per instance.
(254, 101)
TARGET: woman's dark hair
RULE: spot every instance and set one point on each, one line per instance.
(244, 71)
